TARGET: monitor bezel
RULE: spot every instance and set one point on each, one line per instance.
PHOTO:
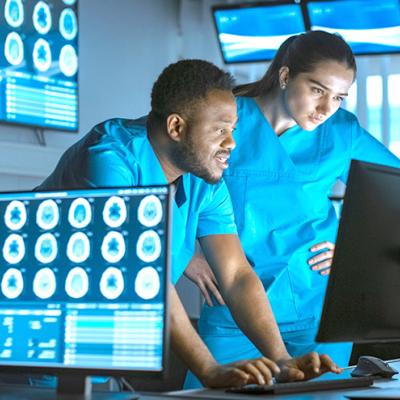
(45, 128)
(327, 333)
(78, 371)
(250, 5)
(356, 54)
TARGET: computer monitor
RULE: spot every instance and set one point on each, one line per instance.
(39, 63)
(83, 282)
(252, 32)
(369, 26)
(362, 301)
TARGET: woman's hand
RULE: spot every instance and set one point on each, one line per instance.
(201, 274)
(322, 262)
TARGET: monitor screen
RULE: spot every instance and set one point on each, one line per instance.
(83, 281)
(248, 32)
(362, 301)
(369, 26)
(39, 63)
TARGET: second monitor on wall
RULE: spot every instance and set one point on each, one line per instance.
(250, 32)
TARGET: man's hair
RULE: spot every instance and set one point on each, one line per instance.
(181, 86)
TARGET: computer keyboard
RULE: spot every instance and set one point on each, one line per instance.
(304, 386)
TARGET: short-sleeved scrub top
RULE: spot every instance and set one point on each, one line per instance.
(118, 152)
(280, 187)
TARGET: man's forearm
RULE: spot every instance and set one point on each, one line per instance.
(185, 341)
(250, 307)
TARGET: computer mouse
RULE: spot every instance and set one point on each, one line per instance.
(373, 366)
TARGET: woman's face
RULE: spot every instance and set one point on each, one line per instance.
(310, 98)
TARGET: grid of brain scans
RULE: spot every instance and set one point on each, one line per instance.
(39, 63)
(82, 277)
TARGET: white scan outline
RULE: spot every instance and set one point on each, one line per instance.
(7, 215)
(38, 244)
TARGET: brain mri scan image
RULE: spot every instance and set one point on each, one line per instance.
(15, 215)
(113, 247)
(112, 283)
(114, 212)
(68, 24)
(14, 48)
(148, 246)
(42, 17)
(150, 211)
(14, 249)
(12, 283)
(14, 13)
(80, 213)
(47, 215)
(78, 247)
(44, 283)
(147, 283)
(46, 248)
(77, 283)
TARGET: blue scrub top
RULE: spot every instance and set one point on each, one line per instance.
(117, 152)
(279, 187)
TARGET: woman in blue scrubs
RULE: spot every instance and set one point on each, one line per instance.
(293, 142)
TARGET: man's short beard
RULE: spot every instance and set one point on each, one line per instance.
(186, 159)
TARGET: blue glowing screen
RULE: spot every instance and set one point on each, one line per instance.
(369, 26)
(248, 34)
(39, 63)
(83, 278)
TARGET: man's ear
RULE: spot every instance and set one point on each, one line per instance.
(176, 126)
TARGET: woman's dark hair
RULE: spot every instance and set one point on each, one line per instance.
(300, 53)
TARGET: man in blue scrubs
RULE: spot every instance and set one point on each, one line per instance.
(187, 141)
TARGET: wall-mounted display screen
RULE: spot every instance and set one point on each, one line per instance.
(253, 32)
(369, 26)
(39, 63)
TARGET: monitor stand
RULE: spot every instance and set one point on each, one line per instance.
(69, 387)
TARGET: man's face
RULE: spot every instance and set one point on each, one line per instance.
(207, 143)
(313, 97)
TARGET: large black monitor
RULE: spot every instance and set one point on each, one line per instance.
(39, 63)
(362, 301)
(83, 282)
(369, 26)
(251, 32)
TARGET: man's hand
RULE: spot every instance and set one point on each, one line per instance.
(201, 274)
(306, 367)
(240, 373)
(322, 262)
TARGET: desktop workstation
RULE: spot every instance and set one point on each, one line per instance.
(93, 314)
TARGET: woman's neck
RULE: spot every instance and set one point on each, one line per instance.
(272, 105)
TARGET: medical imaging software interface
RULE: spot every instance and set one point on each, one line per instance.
(82, 278)
(39, 63)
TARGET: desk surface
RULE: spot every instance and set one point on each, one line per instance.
(391, 387)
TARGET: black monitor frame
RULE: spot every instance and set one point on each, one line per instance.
(74, 380)
(362, 301)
